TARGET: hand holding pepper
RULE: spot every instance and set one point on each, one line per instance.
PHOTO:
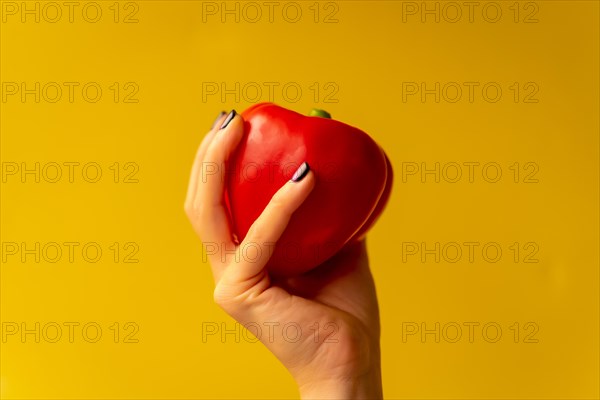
(342, 358)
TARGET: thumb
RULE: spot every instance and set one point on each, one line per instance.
(270, 225)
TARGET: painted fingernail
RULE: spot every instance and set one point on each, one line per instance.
(217, 120)
(301, 172)
(230, 116)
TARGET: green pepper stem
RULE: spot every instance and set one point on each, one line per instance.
(315, 112)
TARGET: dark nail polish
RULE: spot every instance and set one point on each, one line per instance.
(231, 116)
(301, 172)
(217, 120)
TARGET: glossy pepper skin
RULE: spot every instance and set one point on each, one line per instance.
(353, 183)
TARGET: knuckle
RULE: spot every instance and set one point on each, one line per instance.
(196, 211)
(222, 297)
(218, 296)
(278, 205)
(188, 208)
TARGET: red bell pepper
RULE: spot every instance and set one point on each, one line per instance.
(353, 183)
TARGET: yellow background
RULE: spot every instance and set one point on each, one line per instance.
(366, 56)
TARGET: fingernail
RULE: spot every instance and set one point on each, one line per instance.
(301, 172)
(217, 120)
(230, 116)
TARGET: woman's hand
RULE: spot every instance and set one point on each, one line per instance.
(332, 351)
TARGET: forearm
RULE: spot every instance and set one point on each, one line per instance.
(366, 385)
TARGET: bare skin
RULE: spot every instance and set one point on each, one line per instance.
(337, 354)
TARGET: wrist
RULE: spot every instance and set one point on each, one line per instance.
(361, 382)
(367, 386)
